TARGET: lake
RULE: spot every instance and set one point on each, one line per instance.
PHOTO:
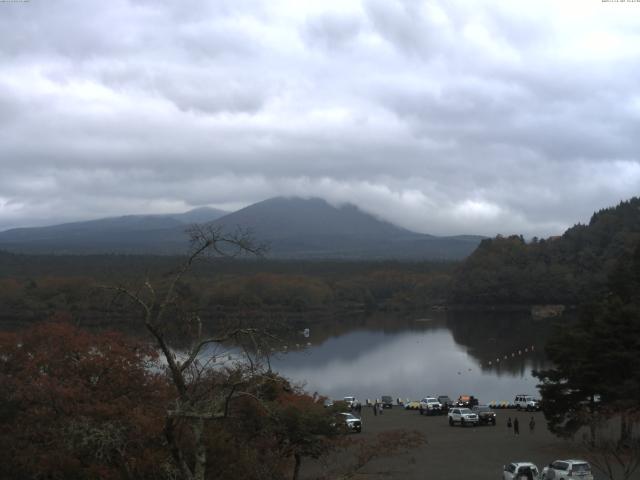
(488, 355)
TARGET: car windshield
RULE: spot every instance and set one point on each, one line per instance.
(465, 410)
(444, 399)
(525, 468)
(581, 467)
(349, 416)
(431, 400)
(481, 409)
(386, 398)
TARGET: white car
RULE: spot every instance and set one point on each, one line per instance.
(463, 416)
(526, 402)
(349, 400)
(350, 422)
(567, 469)
(520, 470)
(430, 406)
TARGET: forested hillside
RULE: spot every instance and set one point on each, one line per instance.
(37, 287)
(567, 270)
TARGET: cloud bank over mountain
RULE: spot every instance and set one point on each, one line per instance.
(442, 116)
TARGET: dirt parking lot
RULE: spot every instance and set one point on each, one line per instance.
(463, 453)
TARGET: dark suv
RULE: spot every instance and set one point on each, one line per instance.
(446, 403)
(387, 401)
(485, 414)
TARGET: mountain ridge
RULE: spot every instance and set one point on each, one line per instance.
(293, 226)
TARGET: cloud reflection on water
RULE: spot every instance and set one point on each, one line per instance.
(407, 363)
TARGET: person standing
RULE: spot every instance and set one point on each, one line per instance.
(509, 423)
(516, 427)
(532, 424)
(375, 409)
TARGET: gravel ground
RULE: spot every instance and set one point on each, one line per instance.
(453, 453)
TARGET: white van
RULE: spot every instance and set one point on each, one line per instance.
(526, 402)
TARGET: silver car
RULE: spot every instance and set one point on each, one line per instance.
(463, 416)
(567, 469)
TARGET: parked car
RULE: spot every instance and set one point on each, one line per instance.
(412, 405)
(348, 422)
(430, 406)
(485, 414)
(526, 402)
(349, 400)
(467, 401)
(446, 402)
(387, 401)
(463, 416)
(566, 469)
(520, 470)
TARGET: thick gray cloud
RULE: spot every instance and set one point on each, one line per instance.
(442, 116)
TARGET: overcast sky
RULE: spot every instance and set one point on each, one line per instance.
(445, 117)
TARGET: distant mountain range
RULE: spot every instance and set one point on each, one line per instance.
(292, 227)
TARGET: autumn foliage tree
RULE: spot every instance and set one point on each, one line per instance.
(79, 405)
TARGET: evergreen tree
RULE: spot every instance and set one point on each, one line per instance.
(596, 362)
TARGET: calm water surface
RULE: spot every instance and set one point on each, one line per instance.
(446, 354)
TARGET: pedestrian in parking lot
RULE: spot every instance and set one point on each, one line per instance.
(381, 407)
(375, 409)
(509, 423)
(516, 427)
(532, 425)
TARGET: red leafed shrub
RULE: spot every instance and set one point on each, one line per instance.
(74, 404)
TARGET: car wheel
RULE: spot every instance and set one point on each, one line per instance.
(421, 412)
(518, 407)
(451, 421)
(462, 422)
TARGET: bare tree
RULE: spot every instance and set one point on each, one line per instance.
(197, 401)
(611, 445)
